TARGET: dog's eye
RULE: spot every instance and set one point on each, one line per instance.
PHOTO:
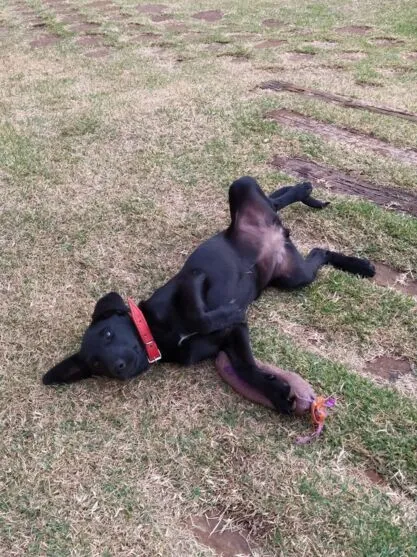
(107, 334)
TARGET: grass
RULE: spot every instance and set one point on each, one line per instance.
(364, 318)
(113, 169)
(375, 425)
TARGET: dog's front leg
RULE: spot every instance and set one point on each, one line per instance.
(191, 297)
(237, 347)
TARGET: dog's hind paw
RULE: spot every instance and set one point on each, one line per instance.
(366, 269)
(355, 265)
(303, 190)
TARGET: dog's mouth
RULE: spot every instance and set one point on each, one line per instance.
(137, 364)
(128, 367)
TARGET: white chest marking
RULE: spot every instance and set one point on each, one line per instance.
(184, 337)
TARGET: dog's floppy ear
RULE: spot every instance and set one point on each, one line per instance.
(108, 304)
(68, 371)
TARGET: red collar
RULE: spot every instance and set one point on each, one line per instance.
(144, 332)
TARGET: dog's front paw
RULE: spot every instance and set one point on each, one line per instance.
(236, 314)
(279, 393)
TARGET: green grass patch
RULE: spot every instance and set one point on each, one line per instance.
(361, 228)
(364, 315)
(374, 424)
(20, 154)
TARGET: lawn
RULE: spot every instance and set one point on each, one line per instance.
(122, 126)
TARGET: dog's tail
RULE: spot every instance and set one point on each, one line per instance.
(353, 265)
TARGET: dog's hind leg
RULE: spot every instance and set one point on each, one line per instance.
(301, 270)
(245, 193)
(291, 194)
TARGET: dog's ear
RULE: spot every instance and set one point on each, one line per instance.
(108, 304)
(68, 371)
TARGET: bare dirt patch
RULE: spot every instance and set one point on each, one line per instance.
(368, 84)
(100, 4)
(176, 27)
(386, 41)
(346, 135)
(335, 66)
(352, 55)
(161, 17)
(274, 23)
(374, 477)
(348, 184)
(63, 7)
(74, 18)
(300, 55)
(62, 11)
(149, 36)
(151, 8)
(387, 276)
(354, 29)
(136, 25)
(90, 40)
(246, 36)
(38, 24)
(25, 12)
(389, 368)
(111, 10)
(209, 15)
(270, 43)
(46, 40)
(338, 99)
(273, 68)
(99, 53)
(211, 532)
(214, 47)
(235, 57)
(326, 45)
(398, 70)
(116, 17)
(84, 27)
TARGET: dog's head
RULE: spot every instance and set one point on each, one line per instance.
(110, 347)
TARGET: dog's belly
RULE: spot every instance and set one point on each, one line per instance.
(240, 289)
(268, 240)
(229, 276)
(272, 259)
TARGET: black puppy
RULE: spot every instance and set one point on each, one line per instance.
(201, 310)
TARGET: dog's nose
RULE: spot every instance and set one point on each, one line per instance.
(120, 364)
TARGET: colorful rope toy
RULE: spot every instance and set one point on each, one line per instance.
(318, 411)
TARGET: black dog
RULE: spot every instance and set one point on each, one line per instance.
(201, 310)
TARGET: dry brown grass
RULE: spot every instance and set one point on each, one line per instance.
(113, 170)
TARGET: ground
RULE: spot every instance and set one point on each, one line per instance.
(122, 126)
